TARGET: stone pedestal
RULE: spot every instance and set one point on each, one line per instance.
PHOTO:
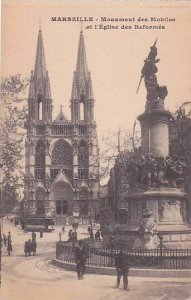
(154, 129)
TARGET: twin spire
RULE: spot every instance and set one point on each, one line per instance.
(82, 85)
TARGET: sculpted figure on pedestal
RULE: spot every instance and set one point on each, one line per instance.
(148, 72)
(151, 171)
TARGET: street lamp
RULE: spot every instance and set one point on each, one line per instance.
(91, 197)
(111, 247)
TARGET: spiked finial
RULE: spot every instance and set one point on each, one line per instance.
(81, 25)
(39, 23)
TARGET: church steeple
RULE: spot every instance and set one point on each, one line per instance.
(81, 66)
(40, 100)
(82, 92)
(40, 63)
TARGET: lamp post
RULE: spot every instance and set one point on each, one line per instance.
(111, 246)
(91, 197)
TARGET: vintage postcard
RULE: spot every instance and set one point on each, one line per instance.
(95, 150)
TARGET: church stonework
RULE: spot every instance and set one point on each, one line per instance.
(62, 165)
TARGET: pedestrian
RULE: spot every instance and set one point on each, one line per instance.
(80, 257)
(74, 235)
(69, 235)
(60, 236)
(33, 247)
(98, 235)
(91, 234)
(9, 247)
(4, 239)
(122, 267)
(29, 247)
(26, 248)
(41, 232)
(9, 236)
(33, 236)
(74, 238)
(63, 229)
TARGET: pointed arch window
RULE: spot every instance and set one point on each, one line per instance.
(40, 160)
(82, 107)
(81, 111)
(62, 158)
(83, 160)
(40, 116)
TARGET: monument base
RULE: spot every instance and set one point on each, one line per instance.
(165, 216)
(129, 237)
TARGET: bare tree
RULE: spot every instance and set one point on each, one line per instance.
(14, 110)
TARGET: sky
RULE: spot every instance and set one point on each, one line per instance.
(115, 56)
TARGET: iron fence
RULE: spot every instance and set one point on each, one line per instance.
(138, 259)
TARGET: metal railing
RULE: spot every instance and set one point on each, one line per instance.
(138, 259)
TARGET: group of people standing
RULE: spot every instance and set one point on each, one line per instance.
(121, 264)
(8, 242)
(72, 235)
(30, 245)
(97, 234)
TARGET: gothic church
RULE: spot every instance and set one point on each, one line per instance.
(62, 165)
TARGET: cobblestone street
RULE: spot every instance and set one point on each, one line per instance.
(35, 278)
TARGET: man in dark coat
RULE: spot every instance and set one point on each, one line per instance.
(29, 247)
(98, 235)
(26, 248)
(122, 267)
(33, 247)
(33, 236)
(9, 247)
(80, 257)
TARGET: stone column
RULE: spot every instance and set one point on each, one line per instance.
(154, 129)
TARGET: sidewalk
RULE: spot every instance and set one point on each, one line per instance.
(36, 278)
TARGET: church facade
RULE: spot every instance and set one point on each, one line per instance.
(62, 164)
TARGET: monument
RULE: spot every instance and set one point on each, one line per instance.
(157, 203)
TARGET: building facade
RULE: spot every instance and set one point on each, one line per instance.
(62, 165)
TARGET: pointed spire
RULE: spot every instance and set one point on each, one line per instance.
(40, 64)
(81, 67)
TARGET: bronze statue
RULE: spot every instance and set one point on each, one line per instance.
(154, 91)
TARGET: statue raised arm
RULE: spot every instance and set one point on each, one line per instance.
(148, 72)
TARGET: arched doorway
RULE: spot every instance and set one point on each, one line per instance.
(63, 196)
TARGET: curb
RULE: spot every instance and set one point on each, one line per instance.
(133, 272)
